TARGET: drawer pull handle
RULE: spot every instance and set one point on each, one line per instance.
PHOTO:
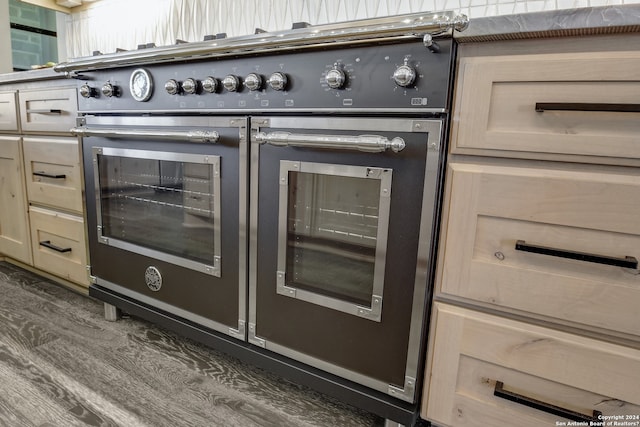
(586, 106)
(48, 244)
(499, 391)
(626, 262)
(50, 175)
(45, 111)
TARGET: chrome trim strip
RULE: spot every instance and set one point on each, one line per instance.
(398, 27)
(181, 122)
(435, 129)
(211, 269)
(212, 324)
(334, 369)
(243, 147)
(374, 311)
(275, 110)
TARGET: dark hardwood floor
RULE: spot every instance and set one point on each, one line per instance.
(62, 364)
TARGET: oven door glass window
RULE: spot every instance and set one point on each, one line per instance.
(162, 205)
(333, 222)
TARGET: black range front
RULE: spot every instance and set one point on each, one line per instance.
(342, 216)
(164, 202)
(277, 196)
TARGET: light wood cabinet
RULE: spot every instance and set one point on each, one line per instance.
(49, 110)
(490, 371)
(14, 226)
(8, 112)
(535, 318)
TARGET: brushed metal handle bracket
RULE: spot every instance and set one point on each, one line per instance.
(530, 402)
(587, 106)
(48, 244)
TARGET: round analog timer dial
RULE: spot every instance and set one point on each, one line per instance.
(141, 85)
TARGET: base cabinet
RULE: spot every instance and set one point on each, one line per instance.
(14, 226)
(491, 371)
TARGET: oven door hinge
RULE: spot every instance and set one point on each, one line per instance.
(92, 279)
(253, 339)
(408, 393)
(239, 333)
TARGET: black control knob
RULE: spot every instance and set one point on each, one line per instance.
(278, 81)
(335, 78)
(190, 86)
(231, 83)
(109, 90)
(172, 87)
(210, 84)
(87, 91)
(253, 81)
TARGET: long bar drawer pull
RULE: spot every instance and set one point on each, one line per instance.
(499, 391)
(205, 136)
(626, 262)
(366, 143)
(48, 244)
(45, 111)
(49, 175)
(587, 106)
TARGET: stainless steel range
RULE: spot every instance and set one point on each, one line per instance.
(276, 195)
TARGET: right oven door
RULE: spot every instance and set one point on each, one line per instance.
(341, 242)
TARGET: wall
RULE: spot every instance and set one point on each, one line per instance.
(6, 66)
(110, 24)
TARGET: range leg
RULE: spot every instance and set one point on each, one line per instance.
(111, 312)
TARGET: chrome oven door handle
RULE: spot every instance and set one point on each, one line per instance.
(366, 143)
(204, 136)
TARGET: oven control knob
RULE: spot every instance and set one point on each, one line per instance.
(253, 81)
(210, 84)
(109, 90)
(172, 87)
(190, 86)
(335, 78)
(231, 83)
(277, 81)
(404, 75)
(87, 91)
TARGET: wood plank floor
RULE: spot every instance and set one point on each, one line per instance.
(62, 364)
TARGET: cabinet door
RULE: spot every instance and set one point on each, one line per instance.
(14, 228)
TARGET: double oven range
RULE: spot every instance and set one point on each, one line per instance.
(276, 195)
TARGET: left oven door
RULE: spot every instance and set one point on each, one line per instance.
(166, 197)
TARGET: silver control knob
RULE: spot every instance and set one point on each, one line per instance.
(172, 87)
(277, 81)
(190, 85)
(404, 75)
(253, 81)
(231, 83)
(109, 90)
(87, 91)
(210, 84)
(335, 78)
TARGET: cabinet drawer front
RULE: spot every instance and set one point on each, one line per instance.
(14, 225)
(8, 112)
(52, 110)
(496, 101)
(53, 172)
(573, 213)
(473, 351)
(59, 246)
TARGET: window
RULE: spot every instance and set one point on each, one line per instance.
(33, 35)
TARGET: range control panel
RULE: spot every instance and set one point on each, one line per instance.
(392, 77)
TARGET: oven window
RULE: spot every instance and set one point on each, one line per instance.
(160, 207)
(336, 222)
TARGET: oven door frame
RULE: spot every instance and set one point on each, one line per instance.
(433, 129)
(133, 132)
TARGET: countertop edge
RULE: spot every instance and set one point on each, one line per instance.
(555, 23)
(30, 76)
